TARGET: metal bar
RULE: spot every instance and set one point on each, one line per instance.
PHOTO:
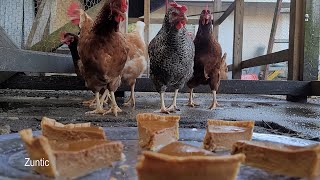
(147, 28)
(273, 32)
(16, 60)
(217, 7)
(297, 88)
(226, 14)
(238, 39)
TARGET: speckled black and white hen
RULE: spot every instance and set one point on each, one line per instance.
(171, 55)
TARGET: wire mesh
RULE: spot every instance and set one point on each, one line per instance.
(35, 24)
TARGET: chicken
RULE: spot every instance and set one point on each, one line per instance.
(134, 67)
(208, 59)
(72, 40)
(137, 62)
(103, 51)
(171, 55)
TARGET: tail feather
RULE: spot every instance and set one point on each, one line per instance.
(224, 67)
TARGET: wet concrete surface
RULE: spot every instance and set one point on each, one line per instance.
(273, 114)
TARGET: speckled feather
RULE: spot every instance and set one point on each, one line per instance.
(171, 55)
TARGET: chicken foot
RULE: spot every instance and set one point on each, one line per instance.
(173, 106)
(99, 108)
(92, 103)
(214, 101)
(163, 108)
(191, 103)
(114, 107)
(131, 101)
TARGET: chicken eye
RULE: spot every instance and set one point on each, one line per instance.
(174, 14)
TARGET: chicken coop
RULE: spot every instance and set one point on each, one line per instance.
(32, 56)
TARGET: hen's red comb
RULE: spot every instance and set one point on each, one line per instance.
(206, 10)
(72, 8)
(182, 8)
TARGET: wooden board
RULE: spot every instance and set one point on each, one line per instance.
(146, 85)
(238, 39)
(296, 39)
(40, 23)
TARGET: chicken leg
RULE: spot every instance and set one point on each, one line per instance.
(173, 106)
(214, 101)
(131, 101)
(99, 108)
(191, 103)
(114, 107)
(92, 102)
(163, 108)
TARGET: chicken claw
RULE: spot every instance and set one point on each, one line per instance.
(214, 101)
(192, 104)
(96, 111)
(163, 110)
(114, 107)
(113, 110)
(173, 108)
(131, 101)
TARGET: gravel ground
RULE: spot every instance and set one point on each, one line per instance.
(21, 109)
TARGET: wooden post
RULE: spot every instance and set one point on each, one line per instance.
(312, 41)
(238, 39)
(124, 25)
(296, 45)
(296, 39)
(217, 6)
(147, 27)
(273, 32)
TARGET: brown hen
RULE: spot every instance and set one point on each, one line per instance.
(103, 52)
(208, 59)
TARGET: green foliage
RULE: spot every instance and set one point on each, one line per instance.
(131, 27)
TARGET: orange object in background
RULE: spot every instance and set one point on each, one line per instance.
(249, 77)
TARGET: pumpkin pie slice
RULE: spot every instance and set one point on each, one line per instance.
(70, 159)
(158, 166)
(156, 131)
(221, 135)
(182, 149)
(282, 159)
(58, 132)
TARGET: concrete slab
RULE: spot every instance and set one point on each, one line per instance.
(273, 114)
